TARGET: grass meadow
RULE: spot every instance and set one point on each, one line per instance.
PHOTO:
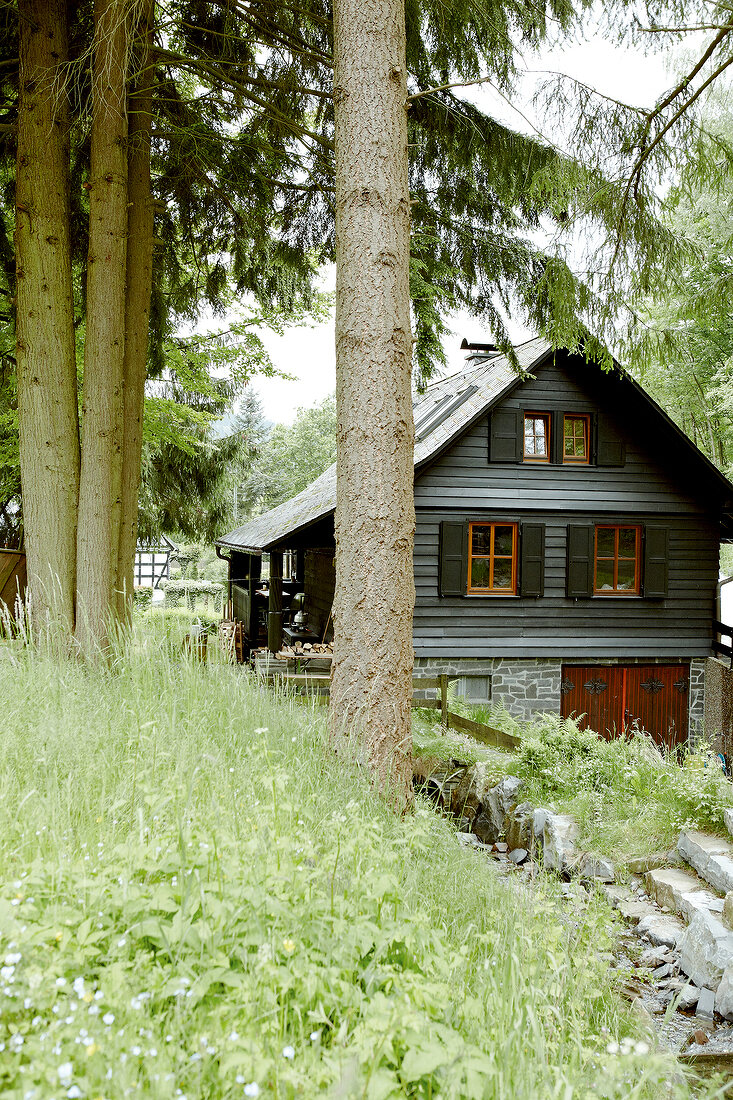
(197, 901)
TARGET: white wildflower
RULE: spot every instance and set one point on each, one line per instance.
(289, 1052)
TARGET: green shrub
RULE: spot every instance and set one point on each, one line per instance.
(193, 593)
(627, 796)
(142, 596)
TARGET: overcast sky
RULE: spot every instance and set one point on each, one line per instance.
(308, 353)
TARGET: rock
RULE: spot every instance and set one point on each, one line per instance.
(724, 994)
(463, 801)
(501, 798)
(495, 804)
(463, 825)
(639, 865)
(519, 855)
(661, 929)
(502, 846)
(485, 828)
(596, 867)
(558, 841)
(711, 856)
(706, 949)
(727, 916)
(728, 819)
(519, 829)
(469, 840)
(636, 910)
(681, 892)
(655, 956)
(700, 1037)
(686, 998)
(705, 1004)
(664, 971)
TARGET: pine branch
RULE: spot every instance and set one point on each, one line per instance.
(445, 87)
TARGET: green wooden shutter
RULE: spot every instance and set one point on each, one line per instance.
(656, 562)
(532, 560)
(581, 542)
(610, 446)
(453, 566)
(557, 427)
(506, 441)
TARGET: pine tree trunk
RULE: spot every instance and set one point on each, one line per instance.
(375, 513)
(46, 364)
(100, 492)
(137, 303)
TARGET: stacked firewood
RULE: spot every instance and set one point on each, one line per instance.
(306, 649)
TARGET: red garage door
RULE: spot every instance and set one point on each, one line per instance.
(614, 697)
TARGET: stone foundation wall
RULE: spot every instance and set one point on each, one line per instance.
(523, 686)
(526, 686)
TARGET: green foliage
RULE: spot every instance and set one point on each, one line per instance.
(685, 358)
(293, 455)
(200, 899)
(142, 596)
(193, 593)
(625, 794)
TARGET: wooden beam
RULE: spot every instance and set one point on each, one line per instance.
(275, 608)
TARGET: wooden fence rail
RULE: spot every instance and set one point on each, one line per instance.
(478, 730)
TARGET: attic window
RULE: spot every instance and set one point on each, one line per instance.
(536, 437)
(576, 438)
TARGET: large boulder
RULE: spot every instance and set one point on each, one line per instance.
(706, 949)
(498, 801)
(558, 842)
(724, 995)
(520, 827)
(469, 795)
(711, 856)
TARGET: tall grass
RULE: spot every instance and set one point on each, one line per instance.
(198, 901)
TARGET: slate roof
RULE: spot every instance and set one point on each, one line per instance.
(443, 412)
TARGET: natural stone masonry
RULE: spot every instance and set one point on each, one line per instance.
(681, 892)
(706, 949)
(712, 858)
(697, 697)
(531, 686)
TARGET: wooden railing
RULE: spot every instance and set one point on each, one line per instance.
(320, 687)
(721, 629)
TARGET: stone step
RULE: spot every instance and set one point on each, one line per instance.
(681, 892)
(711, 857)
(661, 928)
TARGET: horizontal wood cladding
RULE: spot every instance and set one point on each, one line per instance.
(320, 582)
(680, 625)
(654, 477)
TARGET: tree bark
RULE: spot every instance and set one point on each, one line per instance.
(100, 493)
(46, 363)
(375, 514)
(139, 275)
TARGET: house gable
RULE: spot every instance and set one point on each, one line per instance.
(661, 484)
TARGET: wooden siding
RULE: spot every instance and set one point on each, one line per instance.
(650, 488)
(12, 577)
(320, 582)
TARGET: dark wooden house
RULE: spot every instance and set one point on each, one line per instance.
(566, 549)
